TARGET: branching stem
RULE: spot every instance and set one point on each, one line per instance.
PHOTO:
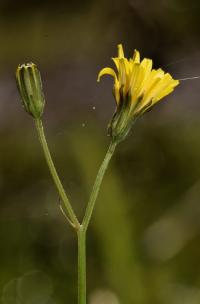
(81, 229)
(54, 174)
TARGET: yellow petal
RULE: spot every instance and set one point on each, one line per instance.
(126, 62)
(153, 75)
(139, 80)
(136, 56)
(107, 71)
(120, 51)
(122, 72)
(165, 91)
(162, 94)
(164, 83)
(135, 83)
(116, 62)
(150, 93)
(116, 91)
(134, 75)
(147, 65)
(160, 73)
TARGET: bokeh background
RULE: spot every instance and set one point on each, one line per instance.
(144, 238)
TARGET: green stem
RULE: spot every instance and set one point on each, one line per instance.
(86, 220)
(72, 217)
(81, 229)
(97, 184)
(81, 266)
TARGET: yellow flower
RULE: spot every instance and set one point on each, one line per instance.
(137, 87)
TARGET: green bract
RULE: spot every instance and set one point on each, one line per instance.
(30, 88)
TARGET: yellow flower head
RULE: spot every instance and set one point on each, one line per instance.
(137, 87)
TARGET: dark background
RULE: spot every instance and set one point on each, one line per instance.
(143, 242)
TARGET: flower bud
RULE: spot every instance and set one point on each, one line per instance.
(30, 88)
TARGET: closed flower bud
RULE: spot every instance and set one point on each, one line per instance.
(30, 88)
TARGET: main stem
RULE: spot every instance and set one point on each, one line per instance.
(72, 217)
(83, 228)
(81, 266)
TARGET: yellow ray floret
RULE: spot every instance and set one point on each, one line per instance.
(138, 80)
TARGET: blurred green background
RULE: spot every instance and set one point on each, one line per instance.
(144, 238)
